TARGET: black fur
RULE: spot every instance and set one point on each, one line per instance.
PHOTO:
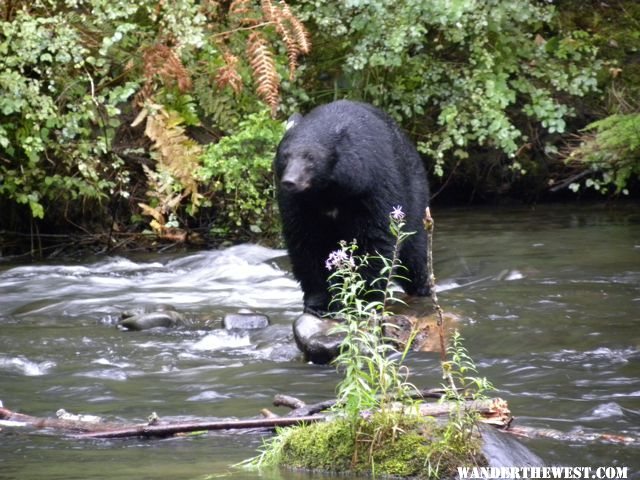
(341, 169)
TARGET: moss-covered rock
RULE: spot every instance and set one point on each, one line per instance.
(384, 444)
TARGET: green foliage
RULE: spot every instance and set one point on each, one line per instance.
(65, 75)
(459, 73)
(239, 171)
(611, 149)
(44, 116)
(75, 73)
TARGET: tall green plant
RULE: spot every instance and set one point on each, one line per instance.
(461, 384)
(373, 378)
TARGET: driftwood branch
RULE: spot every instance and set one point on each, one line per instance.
(169, 429)
(19, 419)
(299, 408)
(84, 429)
(493, 411)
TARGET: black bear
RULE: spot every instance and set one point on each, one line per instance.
(341, 170)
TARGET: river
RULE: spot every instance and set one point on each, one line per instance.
(548, 297)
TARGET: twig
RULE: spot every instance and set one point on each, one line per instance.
(429, 226)
(570, 180)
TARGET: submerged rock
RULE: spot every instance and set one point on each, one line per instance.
(245, 320)
(165, 316)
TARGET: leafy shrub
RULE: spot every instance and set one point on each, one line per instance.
(458, 74)
(46, 119)
(67, 72)
(238, 170)
(75, 73)
(611, 149)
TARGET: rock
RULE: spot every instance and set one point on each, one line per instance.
(245, 320)
(314, 340)
(422, 328)
(165, 317)
(503, 450)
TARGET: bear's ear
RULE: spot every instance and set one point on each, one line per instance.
(341, 130)
(293, 121)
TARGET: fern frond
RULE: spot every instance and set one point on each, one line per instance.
(283, 27)
(268, 10)
(264, 70)
(161, 61)
(293, 33)
(239, 7)
(228, 74)
(243, 13)
(300, 32)
(178, 159)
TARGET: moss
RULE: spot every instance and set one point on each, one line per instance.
(385, 445)
(319, 446)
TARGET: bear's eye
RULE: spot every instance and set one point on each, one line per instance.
(285, 157)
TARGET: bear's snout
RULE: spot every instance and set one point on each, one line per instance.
(295, 179)
(293, 187)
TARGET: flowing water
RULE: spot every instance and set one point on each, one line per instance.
(549, 301)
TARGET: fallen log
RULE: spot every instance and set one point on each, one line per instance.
(66, 424)
(494, 411)
(170, 429)
(300, 408)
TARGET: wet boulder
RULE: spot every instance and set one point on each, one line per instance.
(314, 338)
(503, 450)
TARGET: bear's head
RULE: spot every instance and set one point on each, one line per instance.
(306, 156)
(303, 168)
(326, 157)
